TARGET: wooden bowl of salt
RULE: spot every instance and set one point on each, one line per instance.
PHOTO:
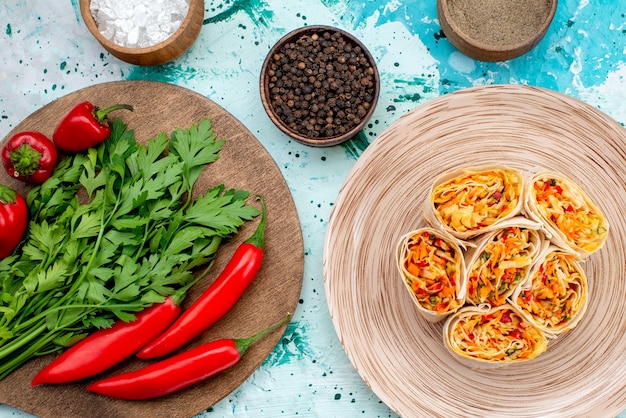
(132, 31)
(495, 30)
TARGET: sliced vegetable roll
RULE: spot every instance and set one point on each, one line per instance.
(432, 268)
(569, 215)
(487, 337)
(472, 201)
(500, 262)
(554, 296)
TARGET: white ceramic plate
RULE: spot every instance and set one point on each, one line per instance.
(400, 355)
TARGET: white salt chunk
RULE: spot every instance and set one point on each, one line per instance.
(138, 23)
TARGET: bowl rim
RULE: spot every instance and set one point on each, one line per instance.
(265, 95)
(529, 41)
(90, 22)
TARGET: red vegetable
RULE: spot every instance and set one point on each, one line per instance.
(178, 372)
(109, 346)
(84, 126)
(13, 220)
(506, 317)
(217, 299)
(29, 156)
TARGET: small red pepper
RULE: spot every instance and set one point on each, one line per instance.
(13, 220)
(179, 371)
(516, 334)
(217, 299)
(486, 318)
(506, 317)
(109, 346)
(84, 126)
(29, 156)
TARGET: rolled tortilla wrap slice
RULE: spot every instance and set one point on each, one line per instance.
(555, 294)
(431, 266)
(471, 201)
(570, 217)
(489, 337)
(501, 261)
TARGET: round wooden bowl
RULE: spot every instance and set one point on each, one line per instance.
(168, 50)
(267, 84)
(496, 30)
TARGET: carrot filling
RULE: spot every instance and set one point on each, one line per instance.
(432, 267)
(567, 208)
(501, 335)
(477, 200)
(557, 294)
(502, 264)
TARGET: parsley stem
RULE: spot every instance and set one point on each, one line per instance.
(42, 316)
(19, 342)
(25, 355)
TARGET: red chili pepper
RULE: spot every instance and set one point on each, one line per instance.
(506, 317)
(84, 126)
(217, 299)
(422, 292)
(109, 346)
(526, 296)
(179, 371)
(439, 307)
(516, 334)
(29, 156)
(13, 220)
(435, 287)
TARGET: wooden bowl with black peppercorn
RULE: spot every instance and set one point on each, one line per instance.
(319, 85)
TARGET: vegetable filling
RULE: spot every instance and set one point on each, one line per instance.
(431, 272)
(477, 200)
(503, 263)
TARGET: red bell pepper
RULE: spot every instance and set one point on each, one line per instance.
(217, 299)
(13, 220)
(109, 346)
(506, 317)
(179, 371)
(29, 156)
(84, 126)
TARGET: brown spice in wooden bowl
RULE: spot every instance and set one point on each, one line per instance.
(495, 30)
(499, 22)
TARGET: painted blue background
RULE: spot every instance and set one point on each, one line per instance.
(46, 52)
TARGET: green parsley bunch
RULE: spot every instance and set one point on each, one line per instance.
(112, 231)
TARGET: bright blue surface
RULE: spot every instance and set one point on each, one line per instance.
(46, 52)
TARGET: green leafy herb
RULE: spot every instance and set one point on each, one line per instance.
(114, 230)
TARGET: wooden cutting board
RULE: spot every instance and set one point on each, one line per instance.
(243, 164)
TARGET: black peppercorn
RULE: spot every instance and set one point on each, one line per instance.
(321, 84)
